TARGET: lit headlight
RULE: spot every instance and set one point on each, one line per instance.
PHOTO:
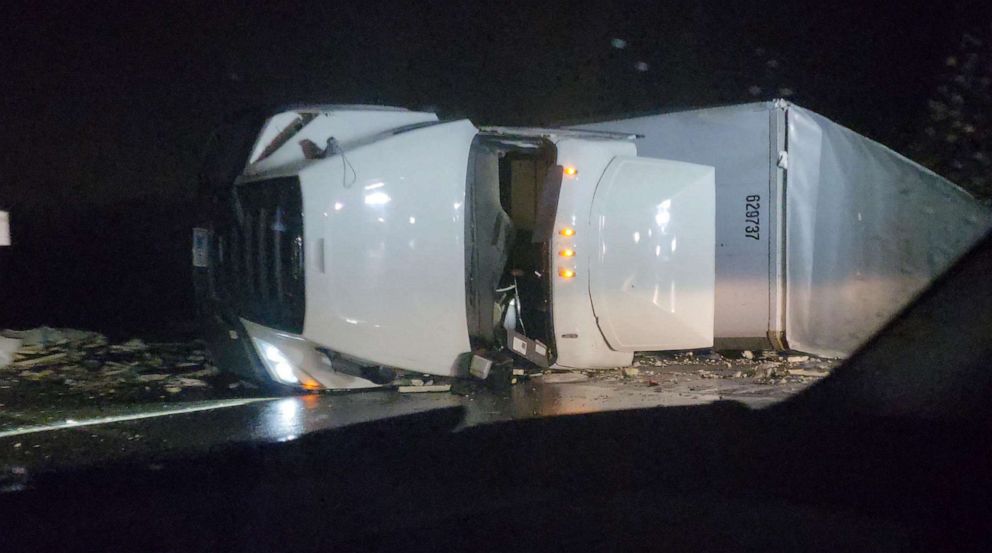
(279, 366)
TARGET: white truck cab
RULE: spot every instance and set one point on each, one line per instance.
(360, 240)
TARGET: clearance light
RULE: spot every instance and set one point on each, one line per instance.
(571, 171)
(311, 384)
(567, 231)
(566, 273)
(567, 252)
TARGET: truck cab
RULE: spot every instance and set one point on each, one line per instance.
(357, 242)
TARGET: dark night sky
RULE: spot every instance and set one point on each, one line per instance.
(104, 104)
(102, 101)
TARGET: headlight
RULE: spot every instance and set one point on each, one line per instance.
(279, 366)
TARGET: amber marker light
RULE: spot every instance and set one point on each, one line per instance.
(566, 273)
(311, 384)
(571, 171)
(567, 252)
(567, 231)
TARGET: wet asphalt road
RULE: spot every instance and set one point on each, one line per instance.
(73, 432)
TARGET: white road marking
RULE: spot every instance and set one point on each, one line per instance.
(72, 423)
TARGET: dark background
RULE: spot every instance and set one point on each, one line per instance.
(106, 108)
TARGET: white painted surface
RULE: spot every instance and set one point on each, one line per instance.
(272, 128)
(861, 228)
(736, 141)
(580, 343)
(867, 231)
(390, 221)
(652, 271)
(348, 125)
(4, 229)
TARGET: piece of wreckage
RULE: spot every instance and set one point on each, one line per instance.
(88, 363)
(343, 245)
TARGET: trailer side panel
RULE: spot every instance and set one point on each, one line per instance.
(867, 230)
(736, 141)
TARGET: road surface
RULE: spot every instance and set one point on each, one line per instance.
(44, 426)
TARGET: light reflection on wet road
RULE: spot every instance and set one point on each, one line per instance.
(161, 430)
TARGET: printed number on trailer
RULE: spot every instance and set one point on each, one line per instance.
(752, 216)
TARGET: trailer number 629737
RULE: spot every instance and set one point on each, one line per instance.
(752, 217)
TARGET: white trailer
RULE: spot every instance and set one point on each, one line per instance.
(822, 234)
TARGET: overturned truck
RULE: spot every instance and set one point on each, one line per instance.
(345, 243)
(357, 241)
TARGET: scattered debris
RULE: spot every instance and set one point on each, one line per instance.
(190, 382)
(562, 377)
(764, 367)
(207, 371)
(86, 362)
(8, 347)
(425, 388)
(805, 372)
(631, 372)
(43, 361)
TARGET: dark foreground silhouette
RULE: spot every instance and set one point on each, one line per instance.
(893, 452)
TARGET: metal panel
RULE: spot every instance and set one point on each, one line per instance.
(391, 217)
(778, 162)
(347, 126)
(867, 230)
(579, 342)
(651, 280)
(736, 140)
(850, 231)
